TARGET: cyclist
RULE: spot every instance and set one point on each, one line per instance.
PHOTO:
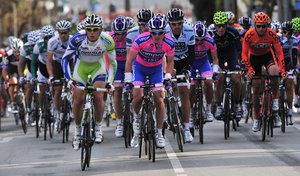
(10, 70)
(258, 42)
(289, 45)
(146, 57)
(143, 16)
(3, 94)
(38, 63)
(118, 33)
(56, 48)
(80, 26)
(232, 22)
(296, 23)
(25, 61)
(184, 38)
(228, 47)
(246, 23)
(88, 46)
(204, 43)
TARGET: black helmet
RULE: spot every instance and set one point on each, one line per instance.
(175, 14)
(144, 15)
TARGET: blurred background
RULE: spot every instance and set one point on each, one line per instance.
(20, 16)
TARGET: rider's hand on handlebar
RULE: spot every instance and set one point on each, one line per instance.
(250, 73)
(110, 88)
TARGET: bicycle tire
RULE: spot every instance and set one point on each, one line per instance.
(227, 112)
(36, 115)
(201, 118)
(177, 126)
(84, 149)
(151, 134)
(142, 131)
(127, 131)
(264, 116)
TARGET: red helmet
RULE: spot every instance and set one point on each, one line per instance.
(261, 17)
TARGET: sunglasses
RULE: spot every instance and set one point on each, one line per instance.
(143, 24)
(288, 32)
(220, 25)
(199, 38)
(93, 29)
(121, 33)
(176, 23)
(260, 26)
(63, 33)
(157, 32)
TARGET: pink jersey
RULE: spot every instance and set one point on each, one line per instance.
(207, 44)
(120, 47)
(151, 54)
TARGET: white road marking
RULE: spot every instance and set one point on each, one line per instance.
(6, 140)
(177, 167)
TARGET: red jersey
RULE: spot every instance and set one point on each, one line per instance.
(261, 45)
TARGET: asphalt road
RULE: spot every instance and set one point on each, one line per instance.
(242, 154)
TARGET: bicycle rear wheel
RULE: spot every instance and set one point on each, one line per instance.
(36, 116)
(282, 111)
(22, 117)
(128, 132)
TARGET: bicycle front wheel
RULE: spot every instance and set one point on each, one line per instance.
(151, 135)
(177, 126)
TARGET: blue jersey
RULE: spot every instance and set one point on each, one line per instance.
(229, 44)
(187, 37)
(288, 45)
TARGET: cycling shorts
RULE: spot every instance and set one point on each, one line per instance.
(120, 74)
(258, 61)
(233, 64)
(57, 70)
(155, 75)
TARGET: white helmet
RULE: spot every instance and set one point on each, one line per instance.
(93, 20)
(80, 26)
(63, 25)
(47, 31)
(16, 44)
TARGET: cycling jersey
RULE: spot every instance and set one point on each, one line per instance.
(11, 63)
(201, 61)
(289, 47)
(261, 45)
(187, 37)
(89, 58)
(25, 53)
(151, 54)
(132, 35)
(228, 47)
(208, 44)
(57, 47)
(120, 47)
(40, 53)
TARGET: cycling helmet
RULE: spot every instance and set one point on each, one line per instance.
(33, 37)
(80, 26)
(211, 30)
(220, 17)
(231, 17)
(245, 21)
(261, 17)
(296, 22)
(157, 23)
(175, 14)
(63, 25)
(16, 44)
(200, 29)
(144, 15)
(287, 26)
(119, 24)
(274, 27)
(47, 31)
(163, 16)
(130, 22)
(93, 20)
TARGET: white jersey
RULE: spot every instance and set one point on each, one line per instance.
(40, 49)
(187, 37)
(26, 51)
(132, 35)
(57, 47)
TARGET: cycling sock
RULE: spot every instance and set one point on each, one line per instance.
(291, 111)
(186, 126)
(159, 132)
(119, 120)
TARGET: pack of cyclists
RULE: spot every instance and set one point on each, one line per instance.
(161, 47)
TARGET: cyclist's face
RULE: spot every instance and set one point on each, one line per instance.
(157, 36)
(16, 53)
(93, 33)
(221, 29)
(143, 26)
(176, 26)
(121, 35)
(261, 28)
(64, 35)
(296, 33)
